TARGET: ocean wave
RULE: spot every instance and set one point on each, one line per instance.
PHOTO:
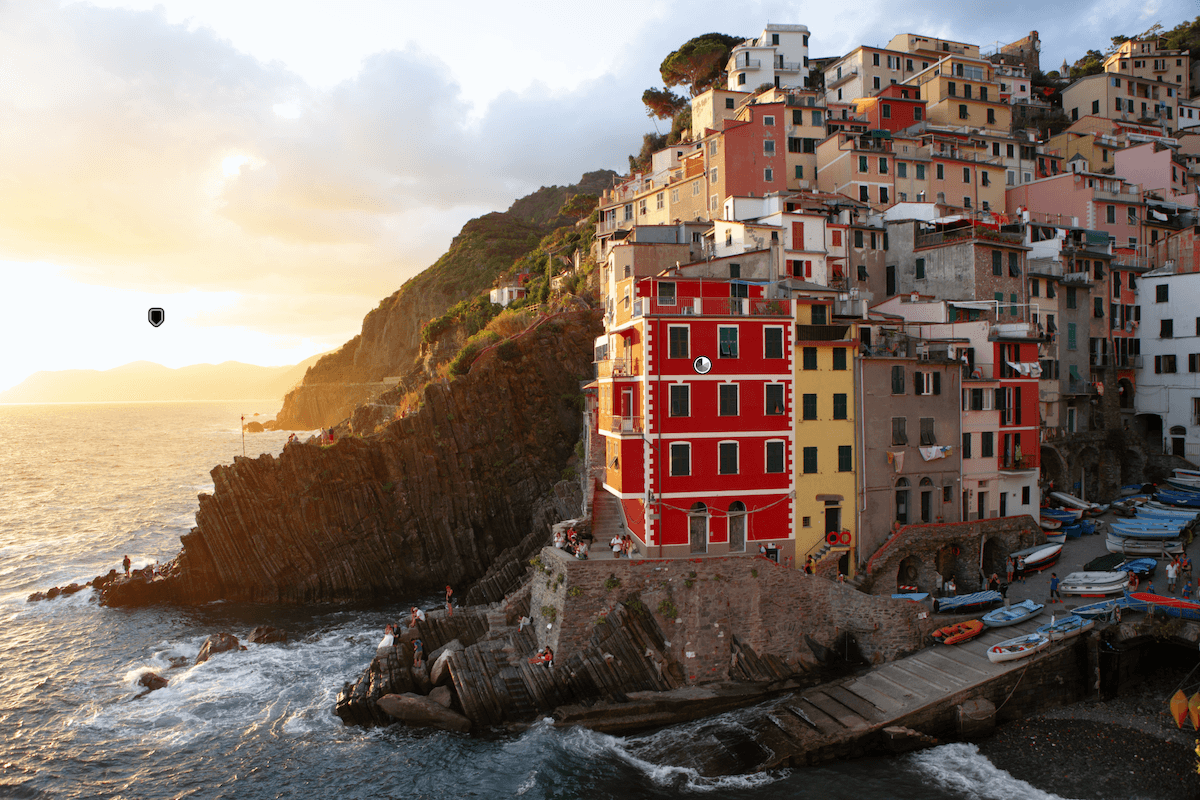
(962, 769)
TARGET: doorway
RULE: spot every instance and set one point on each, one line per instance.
(833, 521)
(902, 501)
(698, 528)
(982, 506)
(737, 527)
(1004, 504)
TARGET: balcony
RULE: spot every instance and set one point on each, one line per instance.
(845, 76)
(823, 333)
(747, 63)
(788, 66)
(617, 368)
(1010, 463)
(711, 306)
(1078, 387)
(626, 425)
(966, 234)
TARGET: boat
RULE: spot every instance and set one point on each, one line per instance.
(1065, 628)
(1050, 523)
(916, 597)
(1126, 529)
(1056, 538)
(1020, 647)
(965, 601)
(1110, 609)
(1194, 711)
(1181, 499)
(1179, 707)
(1017, 612)
(1142, 567)
(959, 632)
(1157, 506)
(1132, 546)
(1074, 502)
(1183, 515)
(1064, 515)
(1184, 484)
(1038, 557)
(1191, 473)
(1094, 584)
(1171, 606)
(1072, 531)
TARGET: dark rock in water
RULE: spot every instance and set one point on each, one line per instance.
(217, 643)
(100, 581)
(152, 680)
(439, 670)
(432, 499)
(53, 593)
(72, 589)
(254, 427)
(179, 661)
(423, 712)
(822, 653)
(265, 634)
(36, 597)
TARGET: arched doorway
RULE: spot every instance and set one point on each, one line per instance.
(1125, 392)
(1054, 468)
(698, 528)
(994, 553)
(1086, 478)
(926, 500)
(737, 527)
(908, 574)
(947, 562)
(902, 493)
(1178, 434)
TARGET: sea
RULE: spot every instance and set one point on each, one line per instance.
(82, 485)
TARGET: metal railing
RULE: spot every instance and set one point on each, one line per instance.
(713, 306)
(965, 235)
(621, 424)
(616, 367)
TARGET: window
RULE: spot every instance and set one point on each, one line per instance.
(727, 456)
(799, 172)
(680, 400)
(729, 102)
(678, 338)
(845, 458)
(899, 434)
(1164, 364)
(967, 90)
(997, 262)
(820, 314)
(1161, 293)
(660, 200)
(1035, 288)
(985, 179)
(887, 111)
(839, 354)
(768, 147)
(883, 167)
(987, 444)
(883, 194)
(727, 394)
(901, 169)
(918, 113)
(1110, 214)
(952, 89)
(1098, 307)
(741, 79)
(773, 392)
(816, 120)
(875, 59)
(681, 458)
(775, 457)
(875, 82)
(809, 407)
(928, 437)
(810, 358)
(920, 269)
(768, 175)
(941, 172)
(769, 120)
(897, 379)
(713, 174)
(1166, 328)
(862, 164)
(864, 193)
(666, 293)
(1132, 215)
(963, 111)
(810, 460)
(1024, 495)
(1071, 297)
(772, 342)
(920, 172)
(966, 174)
(1071, 342)
(966, 445)
(1095, 106)
(858, 238)
(728, 338)
(1014, 265)
(839, 406)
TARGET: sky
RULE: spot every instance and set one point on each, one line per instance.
(266, 172)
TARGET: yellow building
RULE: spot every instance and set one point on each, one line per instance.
(826, 464)
(961, 91)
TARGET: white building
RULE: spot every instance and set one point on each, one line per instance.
(1188, 112)
(778, 57)
(1168, 384)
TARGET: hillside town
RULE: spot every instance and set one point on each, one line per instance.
(901, 286)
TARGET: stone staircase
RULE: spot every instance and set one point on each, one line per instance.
(607, 518)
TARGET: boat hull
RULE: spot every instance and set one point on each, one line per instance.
(1171, 606)
(1020, 647)
(1094, 584)
(1065, 628)
(1143, 547)
(1017, 612)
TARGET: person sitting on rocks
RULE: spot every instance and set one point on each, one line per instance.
(559, 540)
(581, 551)
(808, 565)
(627, 545)
(417, 616)
(449, 606)
(994, 583)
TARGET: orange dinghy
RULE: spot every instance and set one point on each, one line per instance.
(959, 633)
(1194, 710)
(1179, 708)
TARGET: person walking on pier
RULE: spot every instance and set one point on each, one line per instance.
(1172, 573)
(1055, 597)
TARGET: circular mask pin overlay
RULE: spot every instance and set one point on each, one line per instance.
(702, 364)
(156, 316)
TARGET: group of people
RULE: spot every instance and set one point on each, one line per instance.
(573, 542)
(1180, 566)
(545, 656)
(622, 546)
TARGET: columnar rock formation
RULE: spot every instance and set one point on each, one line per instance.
(431, 499)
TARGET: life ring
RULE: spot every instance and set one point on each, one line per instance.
(832, 537)
(845, 537)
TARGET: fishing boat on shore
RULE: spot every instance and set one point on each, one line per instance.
(1115, 562)
(1036, 558)
(1110, 609)
(1136, 530)
(959, 632)
(1019, 647)
(963, 602)
(1094, 584)
(1171, 606)
(1017, 612)
(1065, 628)
(1056, 537)
(1132, 546)
(1176, 497)
(1050, 523)
(1064, 515)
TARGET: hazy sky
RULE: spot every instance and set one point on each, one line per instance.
(268, 171)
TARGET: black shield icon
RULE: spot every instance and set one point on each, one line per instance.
(156, 316)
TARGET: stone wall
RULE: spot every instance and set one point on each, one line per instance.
(953, 549)
(703, 605)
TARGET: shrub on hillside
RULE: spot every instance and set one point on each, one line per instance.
(470, 351)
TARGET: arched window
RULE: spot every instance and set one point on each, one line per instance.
(737, 527)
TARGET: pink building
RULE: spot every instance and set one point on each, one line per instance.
(1156, 168)
(1083, 200)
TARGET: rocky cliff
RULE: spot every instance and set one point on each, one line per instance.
(431, 499)
(390, 340)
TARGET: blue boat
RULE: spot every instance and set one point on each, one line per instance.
(1185, 500)
(1065, 628)
(1072, 531)
(1181, 515)
(1017, 612)
(1127, 530)
(1142, 567)
(1110, 609)
(1171, 606)
(916, 597)
(964, 602)
(1060, 514)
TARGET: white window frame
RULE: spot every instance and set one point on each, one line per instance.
(737, 457)
(782, 341)
(737, 388)
(783, 388)
(687, 388)
(767, 459)
(671, 459)
(687, 328)
(768, 119)
(736, 341)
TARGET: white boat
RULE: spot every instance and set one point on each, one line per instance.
(1017, 612)
(1020, 647)
(1074, 502)
(1050, 524)
(1094, 584)
(1065, 628)
(1032, 559)
(1056, 538)
(1143, 547)
(1180, 472)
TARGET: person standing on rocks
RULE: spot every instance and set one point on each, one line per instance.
(449, 607)
(126, 563)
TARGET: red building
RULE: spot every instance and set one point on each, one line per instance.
(893, 108)
(1019, 453)
(695, 403)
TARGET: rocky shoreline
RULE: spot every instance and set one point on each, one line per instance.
(1119, 748)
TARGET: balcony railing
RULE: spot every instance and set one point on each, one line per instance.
(966, 235)
(845, 76)
(747, 63)
(626, 425)
(712, 306)
(1079, 387)
(616, 367)
(789, 66)
(1011, 463)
